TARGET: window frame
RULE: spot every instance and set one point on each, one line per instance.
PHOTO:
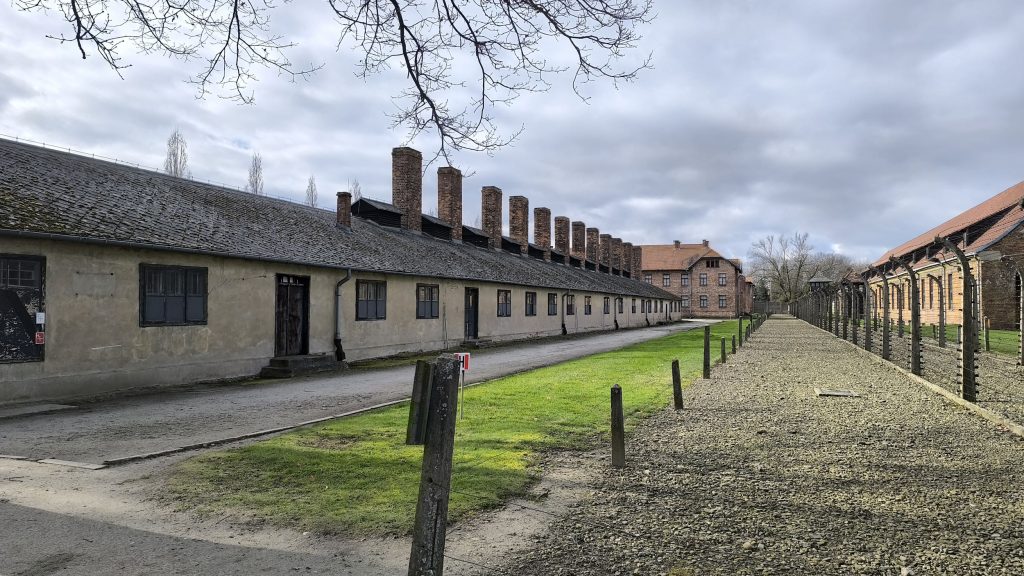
(649, 277)
(704, 301)
(666, 279)
(432, 312)
(586, 306)
(570, 304)
(703, 278)
(684, 279)
(506, 306)
(188, 273)
(380, 312)
(633, 306)
(552, 304)
(685, 302)
(723, 301)
(723, 279)
(530, 303)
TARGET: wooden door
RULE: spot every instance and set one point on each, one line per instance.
(472, 313)
(292, 323)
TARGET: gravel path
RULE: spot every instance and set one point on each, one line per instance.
(758, 475)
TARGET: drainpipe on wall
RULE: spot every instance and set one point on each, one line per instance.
(339, 352)
(615, 311)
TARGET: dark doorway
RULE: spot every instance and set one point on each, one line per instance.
(472, 313)
(292, 324)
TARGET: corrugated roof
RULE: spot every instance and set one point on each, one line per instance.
(1003, 209)
(73, 197)
(682, 257)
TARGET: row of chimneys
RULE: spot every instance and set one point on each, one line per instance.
(588, 244)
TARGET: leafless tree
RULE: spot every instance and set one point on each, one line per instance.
(785, 265)
(311, 192)
(461, 58)
(784, 262)
(255, 184)
(355, 189)
(176, 163)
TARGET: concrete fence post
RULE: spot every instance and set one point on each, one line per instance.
(707, 352)
(677, 386)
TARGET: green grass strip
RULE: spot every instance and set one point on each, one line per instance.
(356, 476)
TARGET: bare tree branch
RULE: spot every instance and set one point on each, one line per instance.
(462, 58)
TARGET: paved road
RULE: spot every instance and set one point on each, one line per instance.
(95, 433)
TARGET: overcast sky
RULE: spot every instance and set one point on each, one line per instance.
(861, 122)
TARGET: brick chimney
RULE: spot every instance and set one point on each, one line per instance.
(638, 261)
(606, 250)
(676, 242)
(593, 244)
(519, 221)
(617, 255)
(705, 242)
(490, 215)
(627, 257)
(542, 230)
(449, 199)
(562, 235)
(579, 240)
(343, 215)
(407, 186)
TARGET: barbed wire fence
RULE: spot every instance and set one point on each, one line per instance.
(952, 318)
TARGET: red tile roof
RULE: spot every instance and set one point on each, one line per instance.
(1007, 201)
(681, 257)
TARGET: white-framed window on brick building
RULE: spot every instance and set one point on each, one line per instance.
(723, 301)
(648, 277)
(722, 278)
(684, 279)
(172, 295)
(371, 300)
(586, 305)
(685, 302)
(666, 279)
(711, 263)
(531, 303)
(552, 304)
(504, 303)
(703, 279)
(427, 301)
(703, 300)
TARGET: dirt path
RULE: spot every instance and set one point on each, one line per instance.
(759, 475)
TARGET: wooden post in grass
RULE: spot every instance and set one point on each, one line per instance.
(618, 429)
(733, 343)
(427, 557)
(677, 386)
(707, 352)
(723, 350)
(419, 407)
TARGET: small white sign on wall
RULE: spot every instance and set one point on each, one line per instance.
(40, 317)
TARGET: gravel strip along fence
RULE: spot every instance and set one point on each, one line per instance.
(1000, 380)
(759, 475)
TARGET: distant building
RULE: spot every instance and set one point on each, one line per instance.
(707, 284)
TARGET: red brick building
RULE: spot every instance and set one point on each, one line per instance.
(708, 284)
(995, 226)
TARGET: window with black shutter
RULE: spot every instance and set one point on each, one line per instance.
(427, 301)
(371, 300)
(172, 295)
